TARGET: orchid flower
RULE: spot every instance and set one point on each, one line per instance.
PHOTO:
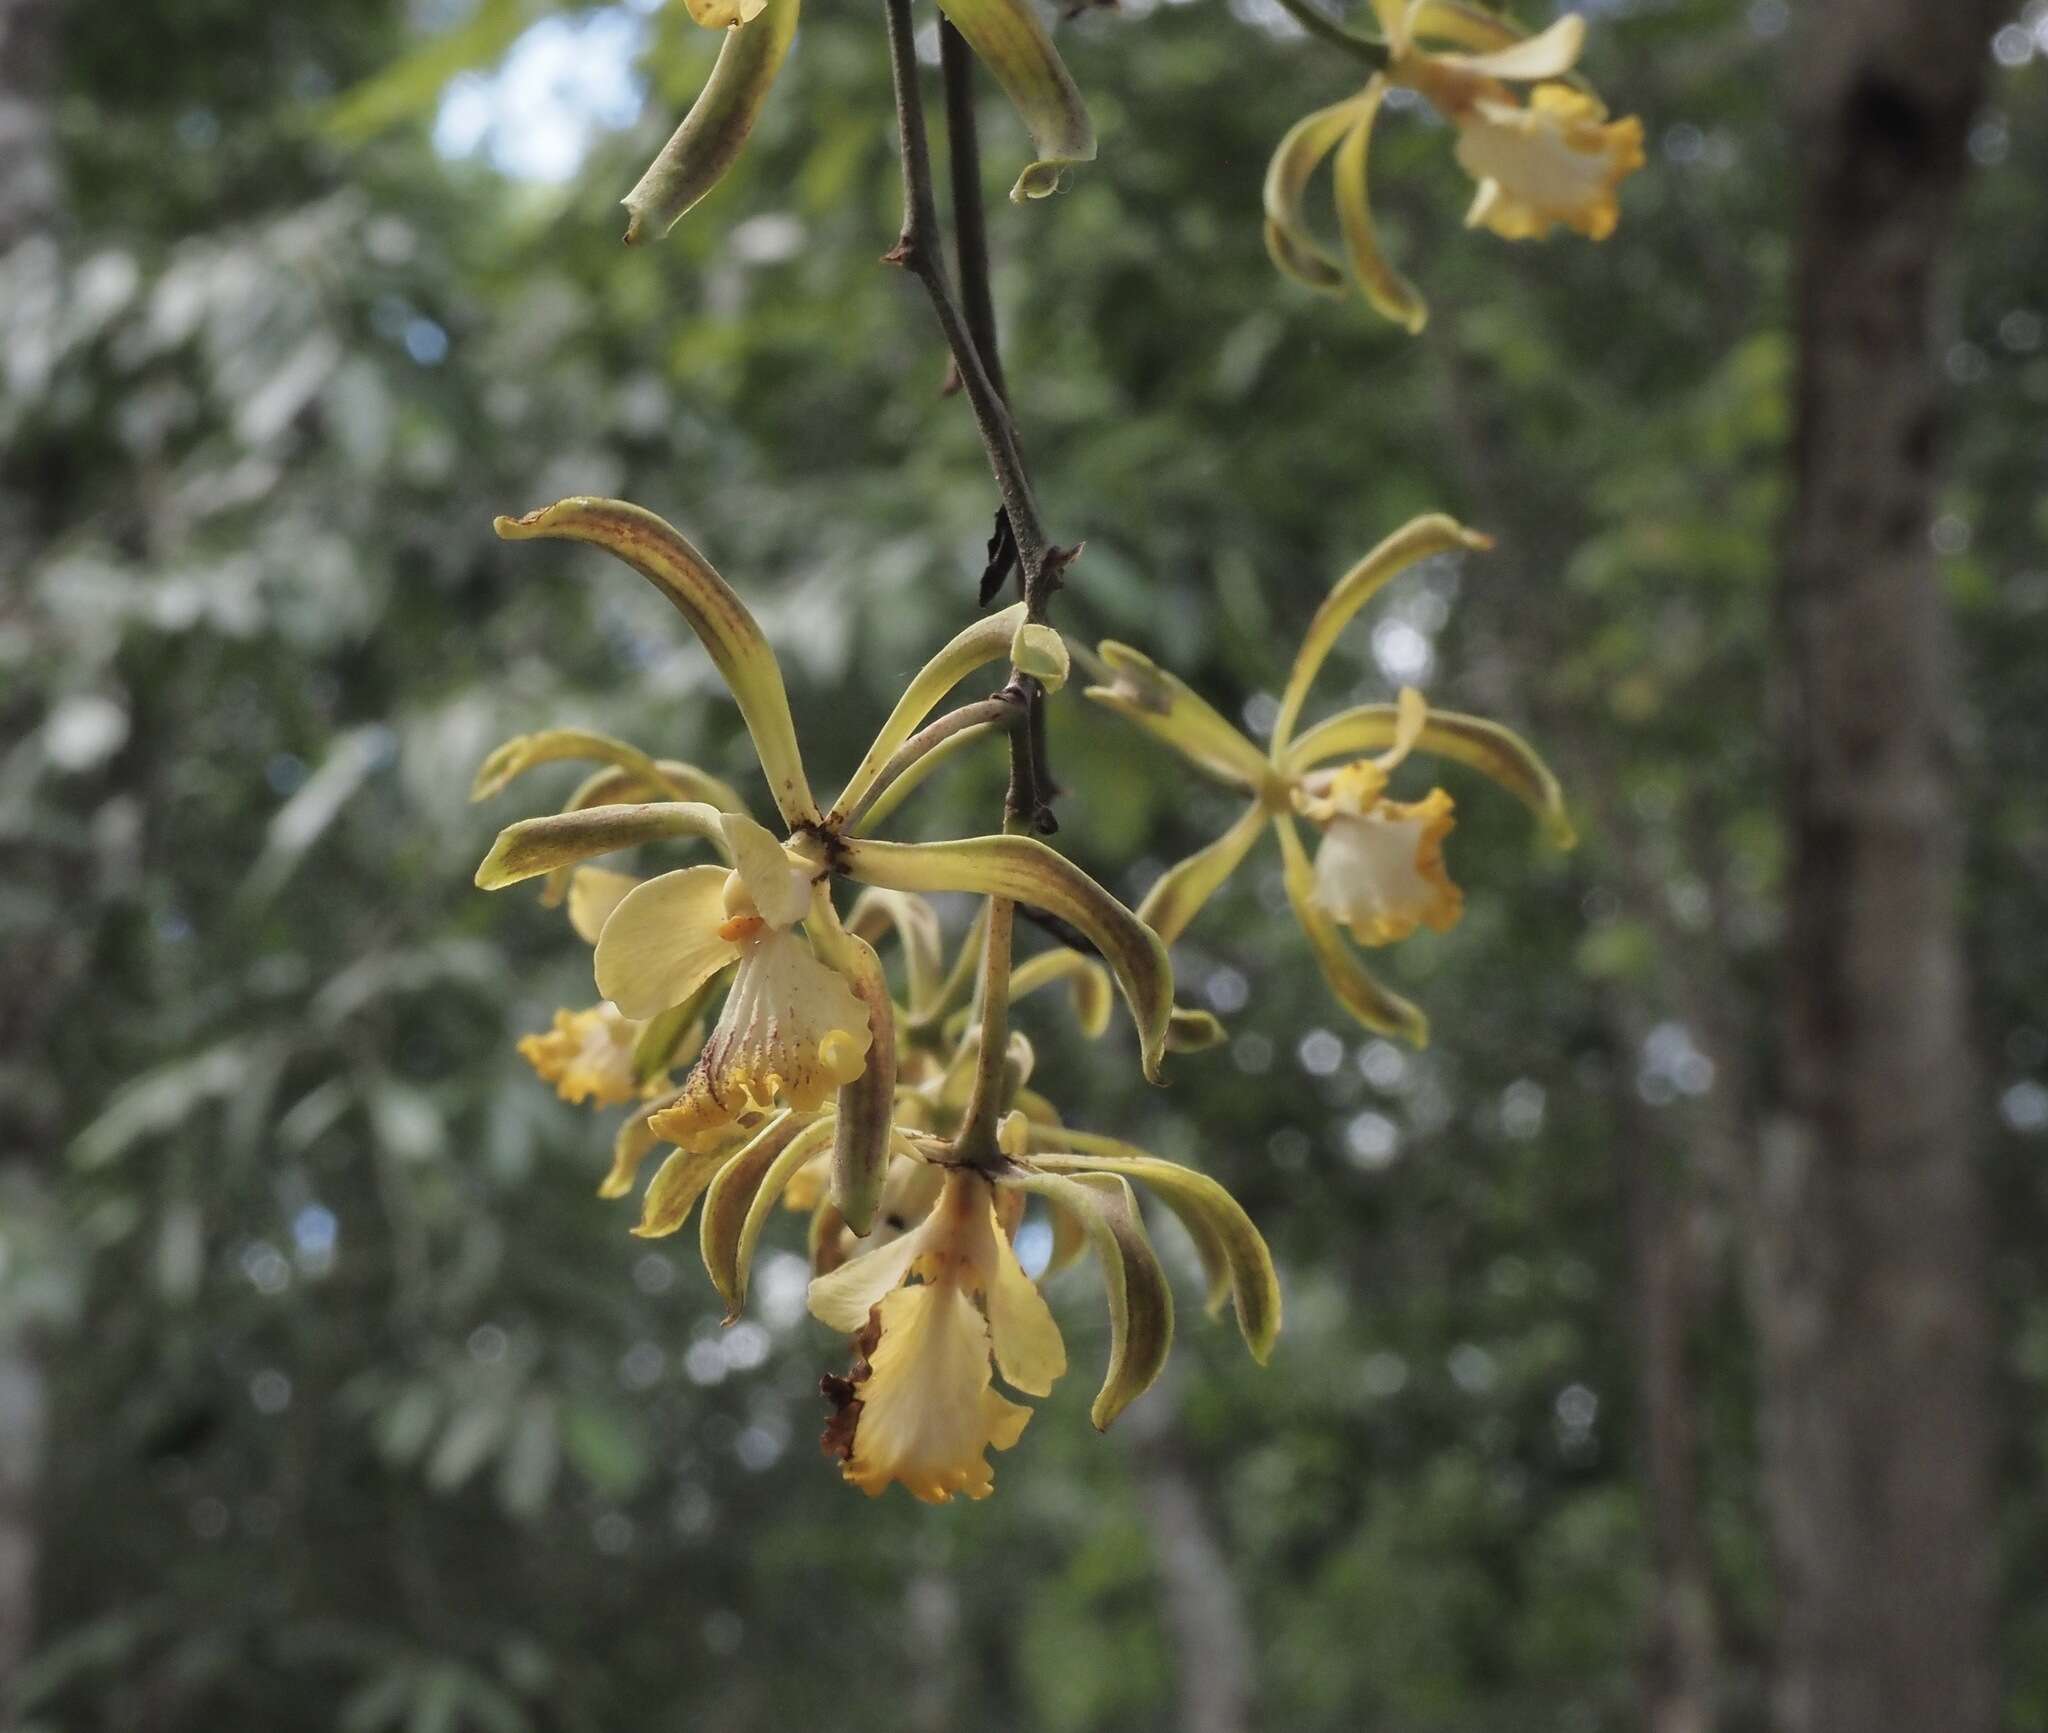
(1380, 869)
(809, 1014)
(1005, 34)
(1552, 158)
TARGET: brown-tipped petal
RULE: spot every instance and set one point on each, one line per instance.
(1140, 1303)
(707, 143)
(1186, 885)
(981, 643)
(1413, 541)
(1378, 1008)
(1167, 708)
(1024, 870)
(665, 558)
(1386, 291)
(1495, 752)
(1294, 248)
(1222, 1232)
(1009, 40)
(535, 845)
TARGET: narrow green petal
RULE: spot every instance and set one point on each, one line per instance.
(1467, 26)
(1009, 40)
(1024, 870)
(867, 1105)
(665, 558)
(675, 1188)
(1387, 292)
(1550, 53)
(1087, 978)
(1042, 653)
(1211, 1215)
(675, 1035)
(731, 1280)
(1186, 885)
(731, 1194)
(913, 776)
(1295, 249)
(1140, 1302)
(1378, 1008)
(1495, 752)
(524, 752)
(1194, 1031)
(916, 926)
(695, 159)
(985, 641)
(1413, 541)
(535, 845)
(1167, 708)
(615, 787)
(631, 1145)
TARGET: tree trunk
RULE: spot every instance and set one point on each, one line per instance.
(28, 200)
(1199, 1600)
(1874, 1328)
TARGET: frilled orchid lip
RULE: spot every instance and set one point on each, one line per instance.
(587, 1056)
(1557, 160)
(791, 1031)
(920, 1408)
(1380, 869)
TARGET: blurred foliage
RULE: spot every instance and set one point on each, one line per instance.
(366, 1413)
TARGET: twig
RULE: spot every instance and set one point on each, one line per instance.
(1374, 54)
(970, 223)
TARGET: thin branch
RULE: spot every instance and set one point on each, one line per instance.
(970, 222)
(1304, 13)
(918, 252)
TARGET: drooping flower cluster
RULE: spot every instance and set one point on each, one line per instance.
(758, 1034)
(1536, 142)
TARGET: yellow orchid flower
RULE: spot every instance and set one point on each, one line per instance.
(1380, 869)
(1005, 34)
(920, 1408)
(809, 1013)
(1552, 158)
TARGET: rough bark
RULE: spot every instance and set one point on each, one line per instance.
(1874, 1328)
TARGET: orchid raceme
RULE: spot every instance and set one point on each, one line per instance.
(1379, 870)
(808, 1016)
(1547, 157)
(1005, 34)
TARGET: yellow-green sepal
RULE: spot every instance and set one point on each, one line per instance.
(1193, 1031)
(974, 647)
(1087, 980)
(675, 1188)
(524, 752)
(712, 134)
(1293, 246)
(1415, 540)
(1187, 885)
(1378, 1008)
(1225, 1237)
(536, 845)
(1140, 1302)
(1009, 40)
(1497, 753)
(751, 1180)
(665, 558)
(1168, 709)
(672, 1037)
(1024, 870)
(1041, 652)
(631, 1145)
(866, 1107)
(916, 926)
(1386, 291)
